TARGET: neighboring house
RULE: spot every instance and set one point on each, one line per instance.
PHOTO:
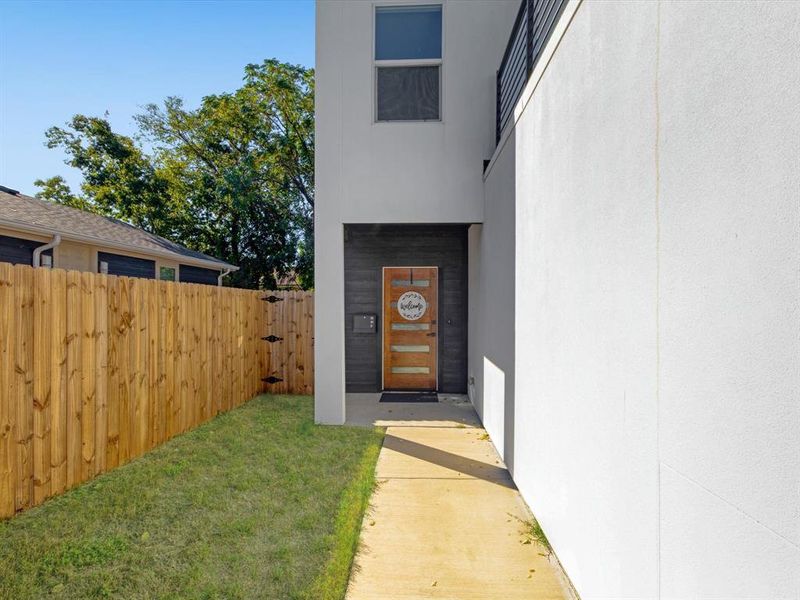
(68, 238)
(584, 215)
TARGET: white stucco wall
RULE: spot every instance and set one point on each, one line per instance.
(369, 172)
(657, 299)
(492, 335)
(729, 307)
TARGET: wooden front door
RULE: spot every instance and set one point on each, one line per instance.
(410, 328)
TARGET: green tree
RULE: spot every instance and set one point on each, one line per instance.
(119, 179)
(55, 189)
(233, 178)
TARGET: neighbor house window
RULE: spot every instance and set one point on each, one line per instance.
(408, 62)
(166, 273)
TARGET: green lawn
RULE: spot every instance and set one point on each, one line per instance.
(258, 503)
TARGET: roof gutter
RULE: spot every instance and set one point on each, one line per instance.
(225, 273)
(196, 262)
(37, 252)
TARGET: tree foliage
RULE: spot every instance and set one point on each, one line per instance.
(233, 178)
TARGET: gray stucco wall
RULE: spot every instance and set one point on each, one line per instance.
(369, 248)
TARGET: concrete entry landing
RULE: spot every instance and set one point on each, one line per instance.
(452, 410)
(446, 520)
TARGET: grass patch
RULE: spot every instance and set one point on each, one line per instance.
(257, 503)
(332, 583)
(532, 533)
(536, 533)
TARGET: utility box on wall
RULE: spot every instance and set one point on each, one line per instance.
(365, 323)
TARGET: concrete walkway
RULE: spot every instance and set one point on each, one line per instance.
(446, 520)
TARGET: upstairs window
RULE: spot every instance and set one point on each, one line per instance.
(408, 62)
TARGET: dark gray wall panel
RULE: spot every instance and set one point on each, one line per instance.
(369, 248)
(190, 274)
(128, 266)
(18, 251)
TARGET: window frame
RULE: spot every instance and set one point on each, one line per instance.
(174, 273)
(412, 62)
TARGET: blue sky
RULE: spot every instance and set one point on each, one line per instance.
(62, 58)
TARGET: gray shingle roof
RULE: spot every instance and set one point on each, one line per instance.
(72, 223)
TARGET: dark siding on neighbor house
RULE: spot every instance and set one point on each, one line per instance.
(189, 274)
(127, 265)
(369, 248)
(18, 251)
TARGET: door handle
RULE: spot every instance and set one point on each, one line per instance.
(431, 334)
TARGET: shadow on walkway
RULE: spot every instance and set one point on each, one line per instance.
(454, 462)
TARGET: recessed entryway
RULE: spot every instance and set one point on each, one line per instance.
(368, 250)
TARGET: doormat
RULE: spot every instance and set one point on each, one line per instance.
(409, 397)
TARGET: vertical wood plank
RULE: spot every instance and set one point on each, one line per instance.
(58, 394)
(312, 311)
(271, 348)
(287, 358)
(88, 377)
(141, 360)
(134, 409)
(8, 451)
(100, 293)
(218, 323)
(252, 346)
(268, 329)
(153, 330)
(300, 348)
(74, 378)
(194, 358)
(161, 371)
(246, 357)
(307, 351)
(114, 328)
(123, 364)
(205, 367)
(230, 365)
(255, 309)
(41, 385)
(225, 345)
(171, 359)
(241, 356)
(261, 331)
(23, 384)
(241, 359)
(180, 360)
(233, 363)
(296, 378)
(210, 363)
(282, 325)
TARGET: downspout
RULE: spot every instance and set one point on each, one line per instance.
(37, 252)
(225, 273)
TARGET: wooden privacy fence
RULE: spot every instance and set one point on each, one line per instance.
(96, 370)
